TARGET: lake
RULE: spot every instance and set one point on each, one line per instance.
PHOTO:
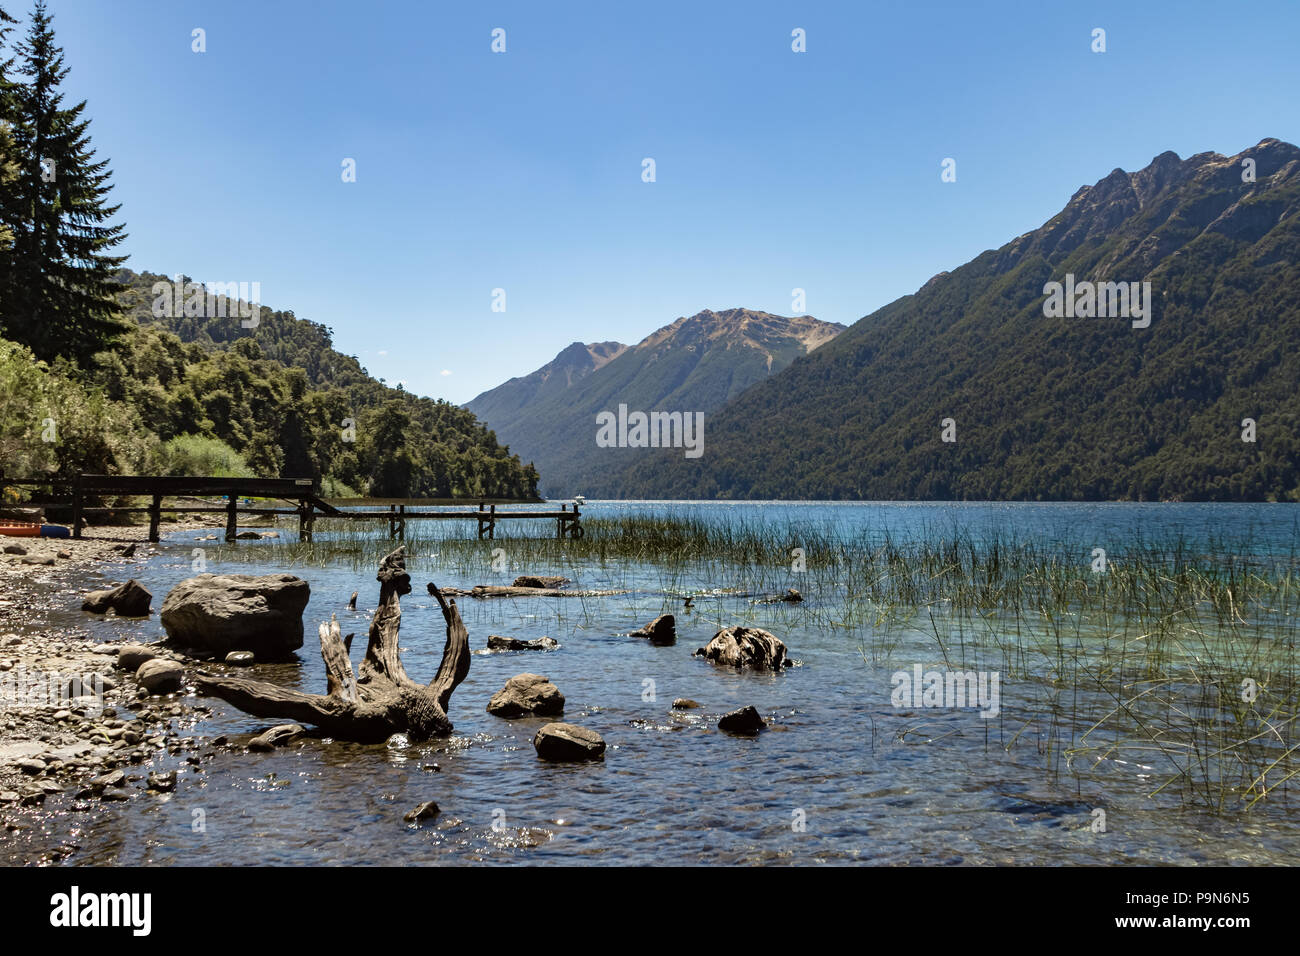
(842, 775)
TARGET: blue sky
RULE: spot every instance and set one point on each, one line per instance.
(522, 170)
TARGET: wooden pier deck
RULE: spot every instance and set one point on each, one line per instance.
(300, 492)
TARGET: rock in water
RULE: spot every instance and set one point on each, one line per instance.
(162, 782)
(131, 656)
(159, 676)
(241, 658)
(525, 695)
(270, 739)
(685, 703)
(128, 600)
(498, 643)
(740, 646)
(425, 811)
(539, 581)
(568, 742)
(747, 720)
(220, 613)
(662, 630)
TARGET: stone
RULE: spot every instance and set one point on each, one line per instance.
(539, 581)
(248, 536)
(39, 559)
(162, 782)
(31, 765)
(747, 720)
(241, 658)
(238, 612)
(497, 643)
(739, 646)
(280, 734)
(662, 630)
(160, 676)
(527, 695)
(685, 703)
(131, 656)
(425, 811)
(64, 554)
(15, 549)
(560, 741)
(115, 779)
(128, 600)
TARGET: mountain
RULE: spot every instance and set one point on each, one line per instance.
(694, 365)
(575, 363)
(1045, 406)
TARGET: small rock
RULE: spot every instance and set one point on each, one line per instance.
(685, 703)
(160, 676)
(39, 559)
(65, 554)
(560, 741)
(425, 811)
(248, 536)
(162, 782)
(270, 739)
(497, 643)
(129, 600)
(662, 630)
(527, 694)
(539, 581)
(9, 796)
(747, 720)
(240, 658)
(131, 656)
(269, 534)
(31, 765)
(15, 549)
(115, 779)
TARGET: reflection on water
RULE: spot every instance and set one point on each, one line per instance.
(842, 776)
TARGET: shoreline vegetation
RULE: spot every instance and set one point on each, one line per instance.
(1179, 658)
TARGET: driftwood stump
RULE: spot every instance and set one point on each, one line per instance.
(380, 699)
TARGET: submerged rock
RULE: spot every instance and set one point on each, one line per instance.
(128, 600)
(740, 647)
(662, 630)
(560, 741)
(241, 658)
(497, 643)
(685, 703)
(425, 811)
(525, 695)
(280, 734)
(747, 720)
(238, 612)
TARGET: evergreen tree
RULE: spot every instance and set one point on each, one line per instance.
(8, 166)
(59, 293)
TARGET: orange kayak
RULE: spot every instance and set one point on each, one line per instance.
(21, 529)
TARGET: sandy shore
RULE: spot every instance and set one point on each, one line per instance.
(94, 748)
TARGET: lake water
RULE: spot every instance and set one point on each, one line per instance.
(841, 776)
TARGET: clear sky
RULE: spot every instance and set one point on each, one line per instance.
(523, 170)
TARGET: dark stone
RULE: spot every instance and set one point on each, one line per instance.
(497, 643)
(540, 581)
(425, 811)
(128, 600)
(561, 741)
(662, 630)
(747, 720)
(238, 612)
(740, 647)
(527, 695)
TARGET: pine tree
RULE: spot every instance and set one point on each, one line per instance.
(8, 165)
(60, 293)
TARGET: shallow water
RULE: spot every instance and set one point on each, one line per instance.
(841, 775)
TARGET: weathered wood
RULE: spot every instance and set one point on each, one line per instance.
(381, 699)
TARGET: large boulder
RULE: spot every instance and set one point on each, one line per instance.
(561, 741)
(526, 695)
(131, 599)
(662, 630)
(747, 720)
(220, 613)
(740, 647)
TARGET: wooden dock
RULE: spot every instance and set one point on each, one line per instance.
(301, 493)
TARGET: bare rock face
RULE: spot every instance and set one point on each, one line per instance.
(561, 741)
(220, 613)
(539, 581)
(662, 630)
(496, 642)
(526, 695)
(128, 600)
(742, 647)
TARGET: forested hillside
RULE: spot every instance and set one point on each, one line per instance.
(1053, 407)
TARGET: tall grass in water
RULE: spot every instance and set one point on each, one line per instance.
(1175, 665)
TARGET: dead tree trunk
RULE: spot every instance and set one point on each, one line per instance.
(380, 699)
